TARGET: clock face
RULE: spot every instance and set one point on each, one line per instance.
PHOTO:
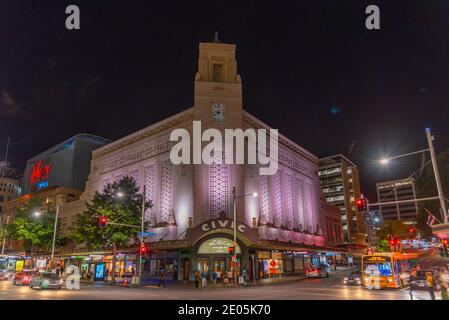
(218, 112)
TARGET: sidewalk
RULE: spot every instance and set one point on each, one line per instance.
(179, 284)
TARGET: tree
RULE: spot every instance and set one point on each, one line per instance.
(35, 232)
(383, 246)
(124, 210)
(393, 228)
(426, 187)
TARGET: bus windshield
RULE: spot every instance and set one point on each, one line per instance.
(375, 265)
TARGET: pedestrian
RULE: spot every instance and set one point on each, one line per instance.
(218, 276)
(443, 283)
(203, 279)
(225, 279)
(162, 279)
(106, 273)
(245, 277)
(229, 276)
(214, 277)
(197, 279)
(429, 281)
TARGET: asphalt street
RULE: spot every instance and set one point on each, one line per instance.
(308, 289)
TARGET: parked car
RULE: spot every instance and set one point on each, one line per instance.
(354, 277)
(22, 277)
(317, 272)
(46, 280)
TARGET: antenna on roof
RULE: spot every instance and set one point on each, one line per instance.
(7, 148)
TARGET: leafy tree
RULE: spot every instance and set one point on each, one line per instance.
(383, 246)
(35, 232)
(122, 210)
(393, 228)
(426, 187)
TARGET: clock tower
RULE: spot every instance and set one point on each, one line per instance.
(218, 87)
(218, 104)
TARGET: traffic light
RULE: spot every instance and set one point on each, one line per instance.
(362, 204)
(143, 249)
(445, 243)
(103, 221)
(231, 251)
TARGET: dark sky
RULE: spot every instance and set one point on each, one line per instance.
(309, 68)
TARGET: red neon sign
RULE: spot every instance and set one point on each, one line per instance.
(39, 172)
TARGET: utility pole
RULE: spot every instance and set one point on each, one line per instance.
(430, 138)
(4, 235)
(54, 235)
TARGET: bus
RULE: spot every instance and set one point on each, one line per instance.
(388, 270)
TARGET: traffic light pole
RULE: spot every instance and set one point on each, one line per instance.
(437, 174)
(141, 236)
(235, 236)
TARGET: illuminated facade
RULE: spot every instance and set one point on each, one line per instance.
(191, 220)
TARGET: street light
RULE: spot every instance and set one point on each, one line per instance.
(37, 213)
(436, 172)
(234, 197)
(120, 194)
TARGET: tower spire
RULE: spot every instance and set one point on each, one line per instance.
(216, 37)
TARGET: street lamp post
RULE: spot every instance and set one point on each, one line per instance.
(234, 197)
(121, 195)
(431, 150)
(4, 235)
(55, 227)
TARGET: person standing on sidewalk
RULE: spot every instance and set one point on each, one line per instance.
(429, 281)
(162, 279)
(229, 277)
(197, 279)
(203, 279)
(225, 279)
(442, 279)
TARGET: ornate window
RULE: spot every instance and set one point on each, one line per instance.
(308, 206)
(277, 200)
(301, 223)
(219, 190)
(135, 175)
(289, 200)
(217, 72)
(149, 191)
(264, 197)
(166, 204)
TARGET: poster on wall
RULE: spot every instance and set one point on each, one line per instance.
(275, 266)
(19, 265)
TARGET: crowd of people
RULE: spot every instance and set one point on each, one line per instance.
(218, 277)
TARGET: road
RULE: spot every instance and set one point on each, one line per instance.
(312, 289)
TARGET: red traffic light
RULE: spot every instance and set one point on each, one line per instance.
(143, 248)
(411, 230)
(445, 242)
(103, 221)
(231, 250)
(398, 241)
(362, 204)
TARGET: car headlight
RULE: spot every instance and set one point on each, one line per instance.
(390, 280)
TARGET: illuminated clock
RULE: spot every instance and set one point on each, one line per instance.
(218, 112)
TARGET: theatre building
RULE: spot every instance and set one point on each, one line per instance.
(278, 231)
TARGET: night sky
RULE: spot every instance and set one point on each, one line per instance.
(309, 68)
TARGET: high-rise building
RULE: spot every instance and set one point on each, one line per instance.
(339, 178)
(397, 190)
(373, 220)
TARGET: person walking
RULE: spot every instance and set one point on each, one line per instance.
(214, 277)
(162, 279)
(443, 281)
(429, 281)
(203, 279)
(197, 279)
(229, 277)
(225, 279)
(218, 276)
